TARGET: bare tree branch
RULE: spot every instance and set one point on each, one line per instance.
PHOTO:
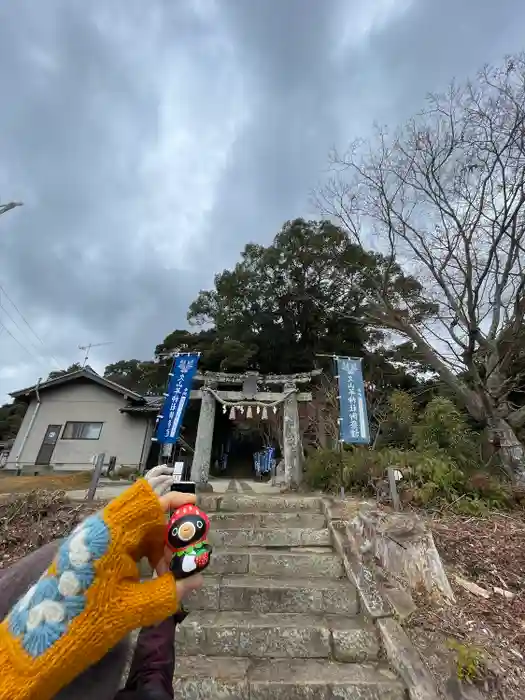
(445, 197)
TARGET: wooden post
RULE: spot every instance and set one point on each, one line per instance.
(396, 503)
(96, 476)
(150, 429)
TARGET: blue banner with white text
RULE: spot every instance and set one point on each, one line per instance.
(353, 423)
(177, 397)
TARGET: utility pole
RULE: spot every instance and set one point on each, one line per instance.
(88, 347)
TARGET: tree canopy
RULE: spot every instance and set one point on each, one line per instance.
(11, 416)
(54, 374)
(301, 297)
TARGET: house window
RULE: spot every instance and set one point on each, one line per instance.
(74, 430)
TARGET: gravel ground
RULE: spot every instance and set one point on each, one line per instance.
(31, 520)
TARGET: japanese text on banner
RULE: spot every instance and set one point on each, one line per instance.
(177, 397)
(352, 402)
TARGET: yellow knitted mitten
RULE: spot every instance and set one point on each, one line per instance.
(88, 599)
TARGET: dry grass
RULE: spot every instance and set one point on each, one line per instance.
(490, 552)
(51, 482)
(28, 521)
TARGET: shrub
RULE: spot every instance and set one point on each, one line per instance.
(443, 428)
(401, 406)
(352, 468)
(441, 466)
(356, 469)
(397, 429)
(360, 467)
(494, 493)
(324, 469)
(470, 662)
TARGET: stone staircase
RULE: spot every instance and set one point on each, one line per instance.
(277, 618)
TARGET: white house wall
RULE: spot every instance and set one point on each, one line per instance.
(122, 436)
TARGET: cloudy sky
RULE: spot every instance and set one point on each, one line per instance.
(149, 141)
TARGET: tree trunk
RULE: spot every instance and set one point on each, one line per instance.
(510, 449)
(480, 407)
(321, 426)
(377, 435)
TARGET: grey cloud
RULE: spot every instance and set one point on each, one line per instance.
(422, 50)
(79, 119)
(91, 92)
(285, 45)
(287, 55)
(317, 97)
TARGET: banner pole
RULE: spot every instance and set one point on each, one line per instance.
(164, 394)
(339, 441)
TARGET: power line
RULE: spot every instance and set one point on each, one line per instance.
(3, 290)
(30, 354)
(3, 209)
(17, 327)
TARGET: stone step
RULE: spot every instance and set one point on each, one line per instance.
(275, 595)
(277, 635)
(242, 520)
(258, 503)
(293, 537)
(313, 563)
(204, 678)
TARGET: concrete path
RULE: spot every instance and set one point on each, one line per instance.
(249, 486)
(108, 489)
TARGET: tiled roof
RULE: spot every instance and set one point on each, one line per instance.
(71, 376)
(153, 405)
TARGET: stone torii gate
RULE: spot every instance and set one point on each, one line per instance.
(244, 390)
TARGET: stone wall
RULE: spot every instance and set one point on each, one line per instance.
(403, 546)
